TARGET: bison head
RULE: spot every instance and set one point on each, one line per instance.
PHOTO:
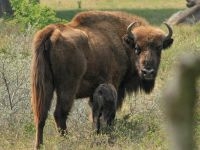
(146, 44)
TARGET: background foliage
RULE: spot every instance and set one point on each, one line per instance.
(29, 12)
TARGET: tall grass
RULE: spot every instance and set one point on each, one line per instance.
(139, 124)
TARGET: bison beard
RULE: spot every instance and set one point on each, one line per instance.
(95, 47)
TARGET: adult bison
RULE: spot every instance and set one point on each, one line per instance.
(95, 47)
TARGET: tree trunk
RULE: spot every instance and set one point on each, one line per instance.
(180, 98)
(5, 8)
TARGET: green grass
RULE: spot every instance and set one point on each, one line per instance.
(139, 125)
(114, 4)
(154, 16)
(155, 11)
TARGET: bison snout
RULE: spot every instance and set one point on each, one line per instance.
(148, 74)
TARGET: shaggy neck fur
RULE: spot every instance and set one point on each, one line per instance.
(132, 82)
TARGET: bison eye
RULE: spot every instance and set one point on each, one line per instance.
(137, 49)
(160, 47)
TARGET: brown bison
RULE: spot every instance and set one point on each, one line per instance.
(95, 47)
(104, 105)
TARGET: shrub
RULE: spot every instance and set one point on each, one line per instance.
(29, 12)
(14, 77)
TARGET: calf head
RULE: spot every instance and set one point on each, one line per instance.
(146, 44)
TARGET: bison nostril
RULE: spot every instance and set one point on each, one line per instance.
(151, 71)
(144, 71)
(147, 71)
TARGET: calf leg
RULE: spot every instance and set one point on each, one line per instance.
(96, 114)
(98, 124)
(111, 119)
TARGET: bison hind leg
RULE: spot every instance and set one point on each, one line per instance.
(65, 98)
(40, 121)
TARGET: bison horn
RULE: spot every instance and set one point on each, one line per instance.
(129, 29)
(170, 32)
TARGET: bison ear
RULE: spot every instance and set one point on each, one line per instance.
(167, 43)
(128, 41)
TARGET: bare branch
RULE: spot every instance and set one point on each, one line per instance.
(7, 87)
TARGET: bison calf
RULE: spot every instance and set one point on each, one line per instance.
(104, 105)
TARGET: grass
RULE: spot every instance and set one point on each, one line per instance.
(114, 4)
(139, 125)
(155, 11)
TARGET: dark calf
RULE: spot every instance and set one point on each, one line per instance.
(104, 105)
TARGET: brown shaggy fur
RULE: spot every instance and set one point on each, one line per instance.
(104, 105)
(94, 48)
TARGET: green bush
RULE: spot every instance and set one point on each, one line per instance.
(29, 12)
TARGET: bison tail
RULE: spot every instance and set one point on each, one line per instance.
(41, 74)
